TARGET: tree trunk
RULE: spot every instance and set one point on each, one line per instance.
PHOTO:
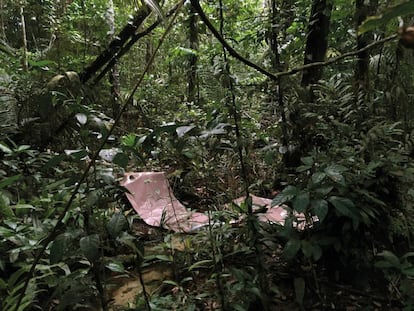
(362, 11)
(113, 74)
(277, 96)
(3, 27)
(192, 58)
(317, 40)
(25, 62)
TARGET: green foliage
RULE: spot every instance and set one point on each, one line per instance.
(400, 274)
(399, 10)
(350, 194)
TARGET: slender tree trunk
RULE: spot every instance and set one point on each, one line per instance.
(192, 58)
(3, 27)
(114, 73)
(363, 9)
(25, 62)
(317, 40)
(277, 97)
(149, 49)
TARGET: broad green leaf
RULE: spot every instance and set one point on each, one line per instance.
(89, 246)
(303, 168)
(323, 191)
(116, 224)
(383, 264)
(129, 140)
(408, 271)
(408, 255)
(308, 161)
(22, 148)
(182, 130)
(334, 172)
(370, 197)
(201, 264)
(121, 159)
(286, 195)
(335, 169)
(291, 248)
(53, 162)
(60, 247)
(219, 129)
(115, 267)
(373, 22)
(389, 258)
(5, 209)
(307, 248)
(55, 185)
(320, 209)
(5, 149)
(9, 180)
(301, 202)
(77, 154)
(170, 282)
(344, 206)
(318, 177)
(93, 197)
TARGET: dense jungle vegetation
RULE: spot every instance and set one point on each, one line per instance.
(309, 103)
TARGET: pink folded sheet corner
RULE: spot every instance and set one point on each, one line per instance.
(152, 198)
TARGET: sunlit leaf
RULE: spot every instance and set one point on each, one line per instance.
(115, 266)
(82, 118)
(129, 140)
(286, 195)
(182, 130)
(201, 264)
(5, 149)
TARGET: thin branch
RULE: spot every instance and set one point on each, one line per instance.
(119, 41)
(231, 51)
(275, 76)
(130, 43)
(6, 48)
(336, 59)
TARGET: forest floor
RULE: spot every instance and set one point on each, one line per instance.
(320, 292)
